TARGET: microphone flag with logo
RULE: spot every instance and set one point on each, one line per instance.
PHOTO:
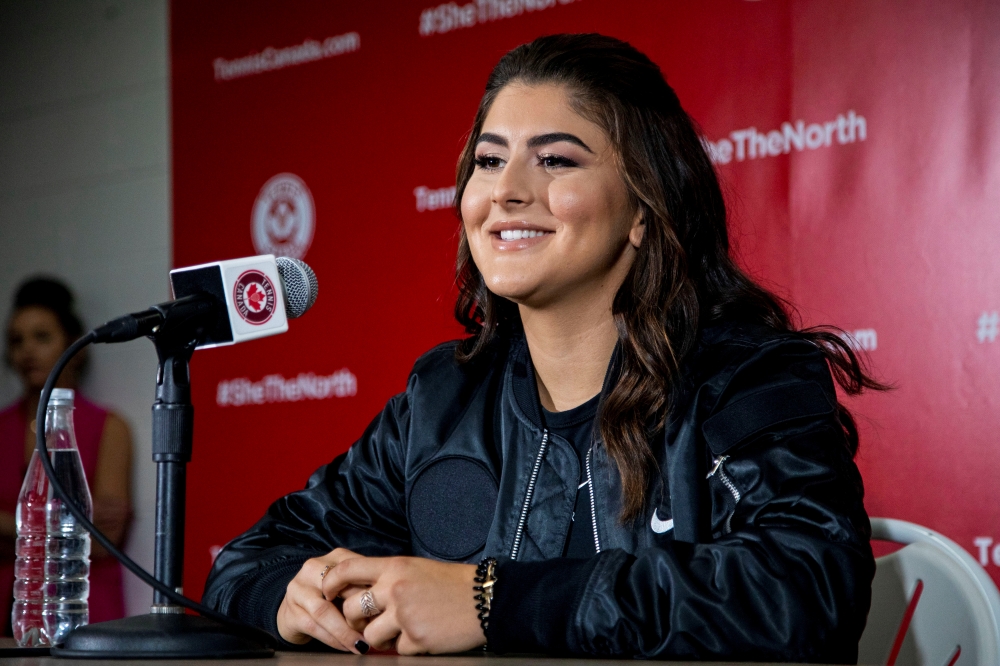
(260, 294)
(225, 301)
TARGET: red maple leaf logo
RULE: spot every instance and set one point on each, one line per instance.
(256, 298)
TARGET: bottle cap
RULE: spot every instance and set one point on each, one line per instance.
(61, 397)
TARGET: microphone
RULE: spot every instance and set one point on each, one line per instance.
(224, 302)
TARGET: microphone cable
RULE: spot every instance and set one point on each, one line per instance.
(126, 561)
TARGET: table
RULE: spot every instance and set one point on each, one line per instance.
(326, 659)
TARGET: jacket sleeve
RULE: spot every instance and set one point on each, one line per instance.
(355, 502)
(786, 574)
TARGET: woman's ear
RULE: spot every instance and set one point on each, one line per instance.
(638, 230)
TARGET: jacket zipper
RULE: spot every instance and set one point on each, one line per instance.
(717, 467)
(593, 510)
(528, 494)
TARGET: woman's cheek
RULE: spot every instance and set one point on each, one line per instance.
(52, 354)
(475, 204)
(571, 201)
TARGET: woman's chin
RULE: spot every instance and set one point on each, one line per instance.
(534, 297)
(511, 295)
(512, 292)
(33, 382)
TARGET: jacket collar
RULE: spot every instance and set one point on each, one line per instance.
(524, 386)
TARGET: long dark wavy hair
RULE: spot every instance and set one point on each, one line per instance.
(683, 277)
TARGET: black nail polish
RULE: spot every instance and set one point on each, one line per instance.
(361, 646)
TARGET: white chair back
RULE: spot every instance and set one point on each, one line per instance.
(954, 619)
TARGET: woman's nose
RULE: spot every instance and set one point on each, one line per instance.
(513, 187)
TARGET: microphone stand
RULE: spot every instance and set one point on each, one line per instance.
(167, 631)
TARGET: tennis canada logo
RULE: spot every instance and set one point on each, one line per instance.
(283, 218)
(254, 297)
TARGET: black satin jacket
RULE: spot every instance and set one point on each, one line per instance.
(754, 544)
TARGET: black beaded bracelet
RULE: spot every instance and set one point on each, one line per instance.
(485, 579)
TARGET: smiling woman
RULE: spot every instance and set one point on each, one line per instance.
(642, 454)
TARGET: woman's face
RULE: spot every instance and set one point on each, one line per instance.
(546, 213)
(35, 340)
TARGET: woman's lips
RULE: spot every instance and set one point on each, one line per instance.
(518, 239)
(518, 234)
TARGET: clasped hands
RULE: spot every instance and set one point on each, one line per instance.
(423, 606)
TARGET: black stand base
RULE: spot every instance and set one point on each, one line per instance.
(161, 637)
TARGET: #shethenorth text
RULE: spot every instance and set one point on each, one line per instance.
(750, 143)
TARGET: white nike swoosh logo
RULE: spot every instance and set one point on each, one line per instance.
(661, 526)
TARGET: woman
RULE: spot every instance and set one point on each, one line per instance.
(42, 325)
(633, 429)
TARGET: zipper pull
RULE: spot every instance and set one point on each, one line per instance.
(716, 464)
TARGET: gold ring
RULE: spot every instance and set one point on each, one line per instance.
(326, 569)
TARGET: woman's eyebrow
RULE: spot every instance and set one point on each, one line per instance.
(487, 137)
(553, 137)
(535, 141)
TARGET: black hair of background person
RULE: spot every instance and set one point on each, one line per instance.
(683, 278)
(54, 295)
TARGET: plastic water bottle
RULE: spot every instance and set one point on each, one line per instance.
(66, 591)
(29, 567)
(53, 550)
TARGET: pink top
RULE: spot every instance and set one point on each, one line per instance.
(106, 599)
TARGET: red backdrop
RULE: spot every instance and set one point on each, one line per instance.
(858, 143)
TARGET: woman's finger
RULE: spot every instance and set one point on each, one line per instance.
(383, 631)
(338, 555)
(361, 571)
(325, 618)
(289, 622)
(354, 608)
(324, 565)
(351, 608)
(308, 627)
(351, 590)
(295, 625)
(305, 612)
(406, 646)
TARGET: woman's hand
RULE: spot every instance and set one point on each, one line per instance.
(306, 613)
(426, 606)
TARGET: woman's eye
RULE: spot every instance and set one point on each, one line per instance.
(489, 162)
(555, 161)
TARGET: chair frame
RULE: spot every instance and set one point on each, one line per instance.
(903, 532)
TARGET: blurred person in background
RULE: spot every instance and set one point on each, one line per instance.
(42, 325)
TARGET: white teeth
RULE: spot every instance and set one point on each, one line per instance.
(518, 234)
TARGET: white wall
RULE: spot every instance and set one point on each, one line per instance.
(85, 192)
